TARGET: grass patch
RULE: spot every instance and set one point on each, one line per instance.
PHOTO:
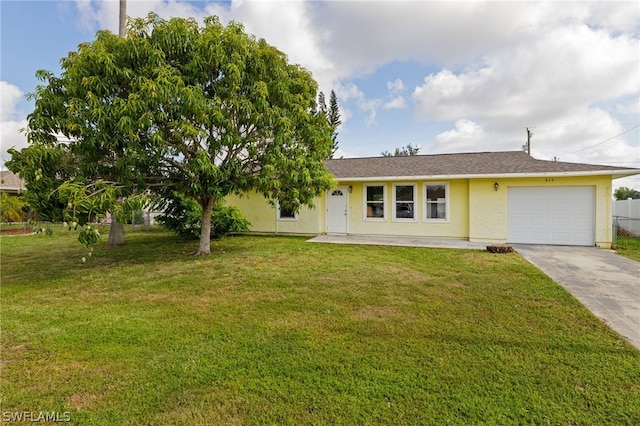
(629, 247)
(275, 330)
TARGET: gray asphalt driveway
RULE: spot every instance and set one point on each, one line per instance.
(606, 283)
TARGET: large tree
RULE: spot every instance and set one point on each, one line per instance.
(204, 111)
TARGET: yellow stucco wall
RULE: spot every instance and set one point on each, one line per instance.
(455, 227)
(488, 207)
(264, 219)
(476, 210)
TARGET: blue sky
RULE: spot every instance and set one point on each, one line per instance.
(457, 76)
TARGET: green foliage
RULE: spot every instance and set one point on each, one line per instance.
(332, 114)
(205, 111)
(89, 236)
(624, 193)
(183, 216)
(226, 220)
(405, 151)
(12, 208)
(44, 169)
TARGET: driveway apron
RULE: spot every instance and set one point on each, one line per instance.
(605, 283)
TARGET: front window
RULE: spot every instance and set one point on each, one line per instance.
(374, 201)
(436, 205)
(285, 213)
(404, 199)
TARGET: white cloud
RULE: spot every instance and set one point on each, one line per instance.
(12, 137)
(371, 118)
(347, 91)
(466, 136)
(567, 139)
(396, 103)
(10, 95)
(95, 15)
(558, 74)
(11, 121)
(395, 86)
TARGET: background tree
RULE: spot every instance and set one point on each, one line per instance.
(43, 168)
(58, 192)
(623, 193)
(405, 151)
(203, 111)
(333, 116)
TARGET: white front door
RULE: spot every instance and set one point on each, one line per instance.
(337, 206)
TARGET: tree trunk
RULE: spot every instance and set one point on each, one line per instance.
(116, 232)
(205, 231)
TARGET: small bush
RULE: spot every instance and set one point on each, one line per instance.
(12, 208)
(227, 220)
(182, 216)
(500, 248)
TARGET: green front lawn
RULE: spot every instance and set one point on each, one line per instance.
(275, 330)
(629, 247)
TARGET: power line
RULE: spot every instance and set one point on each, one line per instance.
(606, 140)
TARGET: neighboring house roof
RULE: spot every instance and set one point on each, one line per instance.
(10, 182)
(465, 165)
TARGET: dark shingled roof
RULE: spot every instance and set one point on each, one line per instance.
(465, 164)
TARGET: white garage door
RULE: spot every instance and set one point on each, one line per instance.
(562, 215)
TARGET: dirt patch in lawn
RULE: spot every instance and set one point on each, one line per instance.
(16, 231)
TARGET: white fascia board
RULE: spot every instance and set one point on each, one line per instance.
(614, 173)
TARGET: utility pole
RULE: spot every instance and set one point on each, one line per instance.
(116, 230)
(529, 134)
(122, 32)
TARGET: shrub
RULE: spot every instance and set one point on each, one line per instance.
(12, 208)
(182, 215)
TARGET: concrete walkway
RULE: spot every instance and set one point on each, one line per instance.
(606, 283)
(398, 241)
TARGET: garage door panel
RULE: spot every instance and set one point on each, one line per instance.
(551, 215)
(519, 221)
(560, 237)
(560, 221)
(539, 237)
(538, 221)
(583, 239)
(580, 222)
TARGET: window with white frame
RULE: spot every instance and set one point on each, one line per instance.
(404, 196)
(374, 200)
(437, 202)
(286, 213)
